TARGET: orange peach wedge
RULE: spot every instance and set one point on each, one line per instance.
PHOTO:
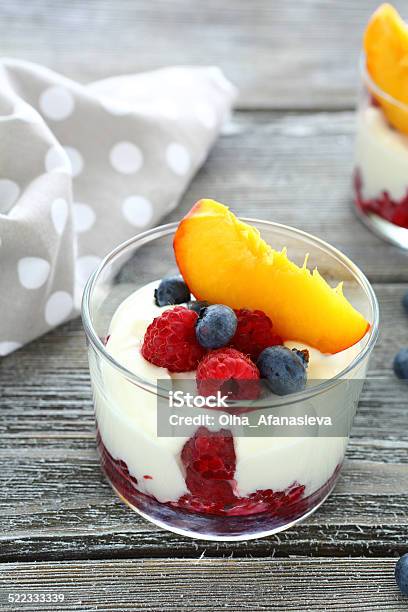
(386, 50)
(225, 261)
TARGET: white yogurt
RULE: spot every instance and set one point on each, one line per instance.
(126, 416)
(381, 156)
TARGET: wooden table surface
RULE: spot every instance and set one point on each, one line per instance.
(287, 156)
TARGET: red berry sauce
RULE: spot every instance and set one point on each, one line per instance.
(209, 461)
(395, 211)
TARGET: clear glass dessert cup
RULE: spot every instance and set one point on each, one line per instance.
(380, 178)
(278, 475)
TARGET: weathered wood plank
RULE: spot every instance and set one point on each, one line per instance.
(292, 54)
(208, 585)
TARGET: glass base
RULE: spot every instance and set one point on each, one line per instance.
(393, 234)
(218, 533)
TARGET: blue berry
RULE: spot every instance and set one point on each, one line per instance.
(401, 574)
(216, 326)
(400, 364)
(197, 305)
(283, 369)
(172, 290)
(405, 302)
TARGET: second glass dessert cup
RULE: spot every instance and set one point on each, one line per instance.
(380, 180)
(264, 481)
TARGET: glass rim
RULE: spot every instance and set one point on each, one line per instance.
(169, 228)
(368, 80)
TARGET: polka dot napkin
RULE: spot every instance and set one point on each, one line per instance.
(83, 168)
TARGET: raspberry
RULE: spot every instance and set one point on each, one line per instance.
(254, 332)
(265, 500)
(209, 461)
(170, 341)
(230, 372)
(395, 211)
(400, 215)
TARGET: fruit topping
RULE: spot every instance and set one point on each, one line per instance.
(283, 369)
(172, 290)
(400, 364)
(197, 305)
(401, 574)
(230, 372)
(254, 332)
(170, 341)
(209, 461)
(386, 50)
(224, 260)
(216, 326)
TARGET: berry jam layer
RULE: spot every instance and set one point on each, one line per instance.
(395, 211)
(209, 462)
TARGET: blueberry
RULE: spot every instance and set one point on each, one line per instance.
(405, 302)
(284, 370)
(400, 364)
(216, 326)
(172, 290)
(401, 574)
(197, 305)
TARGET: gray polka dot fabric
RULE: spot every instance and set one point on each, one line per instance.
(85, 167)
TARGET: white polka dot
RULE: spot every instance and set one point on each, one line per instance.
(206, 115)
(57, 103)
(126, 157)
(178, 158)
(7, 347)
(33, 272)
(75, 159)
(57, 161)
(9, 192)
(58, 307)
(137, 210)
(59, 214)
(84, 217)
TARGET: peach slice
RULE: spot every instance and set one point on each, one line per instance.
(386, 50)
(225, 261)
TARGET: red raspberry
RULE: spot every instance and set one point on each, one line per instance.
(254, 333)
(230, 372)
(209, 461)
(400, 215)
(170, 341)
